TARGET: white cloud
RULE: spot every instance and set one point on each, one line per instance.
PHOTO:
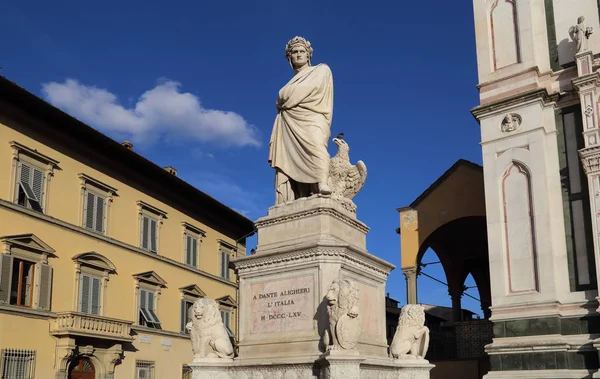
(201, 154)
(162, 110)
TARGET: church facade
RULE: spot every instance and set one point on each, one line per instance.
(539, 121)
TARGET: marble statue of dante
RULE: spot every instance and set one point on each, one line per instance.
(298, 145)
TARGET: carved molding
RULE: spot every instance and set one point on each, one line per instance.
(310, 254)
(539, 95)
(590, 159)
(267, 221)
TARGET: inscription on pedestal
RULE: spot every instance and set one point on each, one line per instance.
(282, 305)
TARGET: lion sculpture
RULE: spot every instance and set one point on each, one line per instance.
(208, 334)
(411, 340)
(342, 309)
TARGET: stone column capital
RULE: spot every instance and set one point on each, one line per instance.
(410, 272)
(590, 159)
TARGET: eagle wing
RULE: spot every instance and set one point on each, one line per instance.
(355, 179)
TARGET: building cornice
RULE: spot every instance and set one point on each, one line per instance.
(540, 95)
(74, 228)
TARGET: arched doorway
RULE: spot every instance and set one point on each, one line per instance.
(82, 368)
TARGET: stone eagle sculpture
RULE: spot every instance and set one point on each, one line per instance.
(345, 180)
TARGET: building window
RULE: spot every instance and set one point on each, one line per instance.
(225, 251)
(92, 273)
(21, 288)
(149, 234)
(148, 288)
(225, 316)
(96, 199)
(89, 294)
(25, 275)
(151, 219)
(30, 186)
(576, 202)
(192, 238)
(191, 251)
(17, 364)
(31, 173)
(224, 265)
(226, 306)
(94, 212)
(144, 370)
(148, 315)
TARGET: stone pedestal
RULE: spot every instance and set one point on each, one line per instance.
(340, 366)
(303, 246)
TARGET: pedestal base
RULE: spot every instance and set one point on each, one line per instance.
(336, 366)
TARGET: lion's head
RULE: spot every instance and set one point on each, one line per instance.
(342, 298)
(206, 312)
(412, 315)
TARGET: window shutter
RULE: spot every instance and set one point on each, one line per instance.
(45, 287)
(145, 227)
(95, 304)
(89, 216)
(100, 214)
(37, 184)
(225, 265)
(25, 173)
(6, 264)
(188, 249)
(84, 300)
(195, 252)
(150, 305)
(153, 235)
(183, 318)
(143, 295)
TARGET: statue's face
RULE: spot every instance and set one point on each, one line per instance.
(199, 309)
(298, 56)
(332, 294)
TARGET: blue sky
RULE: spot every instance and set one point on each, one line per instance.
(193, 84)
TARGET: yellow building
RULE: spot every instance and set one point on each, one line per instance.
(101, 251)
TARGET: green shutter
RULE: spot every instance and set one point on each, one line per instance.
(99, 226)
(37, 184)
(195, 252)
(145, 227)
(95, 296)
(153, 235)
(182, 319)
(188, 250)
(90, 201)
(45, 291)
(6, 265)
(84, 299)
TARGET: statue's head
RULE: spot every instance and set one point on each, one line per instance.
(580, 19)
(412, 315)
(206, 310)
(298, 52)
(342, 295)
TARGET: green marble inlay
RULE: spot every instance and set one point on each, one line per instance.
(551, 360)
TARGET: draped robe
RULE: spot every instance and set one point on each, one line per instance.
(298, 145)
